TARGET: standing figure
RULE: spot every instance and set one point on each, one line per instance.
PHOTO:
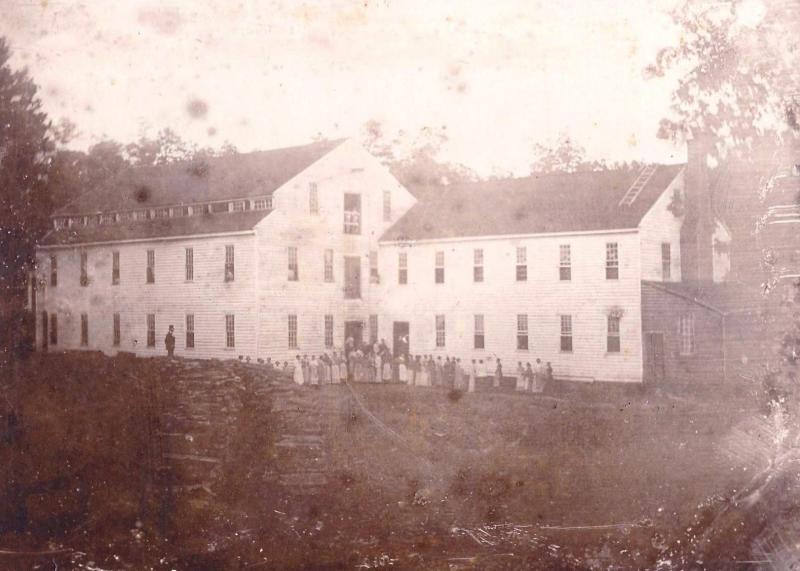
(538, 375)
(482, 372)
(387, 367)
(306, 378)
(313, 371)
(402, 370)
(498, 374)
(169, 342)
(458, 376)
(297, 374)
(520, 377)
(473, 376)
(529, 376)
(438, 379)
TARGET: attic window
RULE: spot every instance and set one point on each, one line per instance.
(238, 206)
(262, 203)
(108, 218)
(162, 213)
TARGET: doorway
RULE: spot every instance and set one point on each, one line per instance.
(401, 339)
(354, 330)
(654, 358)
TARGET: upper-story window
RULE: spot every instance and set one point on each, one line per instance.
(440, 331)
(666, 261)
(564, 262)
(313, 198)
(230, 331)
(522, 263)
(374, 276)
(151, 266)
(108, 218)
(218, 207)
(477, 268)
(114, 268)
(294, 270)
(387, 205)
(522, 332)
(84, 329)
(328, 269)
(479, 339)
(229, 259)
(189, 264)
(141, 214)
(162, 212)
(126, 216)
(180, 211)
(402, 268)
(84, 269)
(612, 261)
(352, 213)
(566, 333)
(238, 206)
(59, 223)
(439, 270)
(53, 271)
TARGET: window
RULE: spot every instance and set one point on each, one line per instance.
(313, 198)
(125, 216)
(564, 262)
(53, 329)
(229, 257)
(230, 331)
(439, 271)
(239, 206)
(141, 214)
(522, 264)
(387, 206)
(373, 328)
(294, 273)
(84, 329)
(328, 265)
(566, 333)
(151, 330)
(84, 269)
(666, 261)
(262, 203)
(479, 341)
(402, 268)
(440, 338)
(189, 264)
(522, 332)
(53, 271)
(162, 213)
(151, 266)
(352, 277)
(292, 332)
(218, 207)
(180, 211)
(329, 331)
(477, 267)
(352, 213)
(190, 331)
(612, 340)
(612, 261)
(115, 268)
(108, 219)
(117, 333)
(686, 332)
(374, 276)
(59, 223)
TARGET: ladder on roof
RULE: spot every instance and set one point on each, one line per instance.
(636, 188)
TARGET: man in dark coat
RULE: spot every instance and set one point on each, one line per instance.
(169, 341)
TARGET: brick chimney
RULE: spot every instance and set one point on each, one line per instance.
(698, 223)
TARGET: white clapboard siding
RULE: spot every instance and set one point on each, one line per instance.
(347, 169)
(170, 298)
(658, 226)
(588, 297)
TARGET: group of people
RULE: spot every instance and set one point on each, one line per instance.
(374, 363)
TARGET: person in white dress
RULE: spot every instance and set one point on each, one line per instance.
(521, 377)
(298, 371)
(402, 370)
(473, 375)
(387, 367)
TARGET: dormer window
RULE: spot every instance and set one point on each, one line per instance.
(238, 206)
(108, 218)
(162, 213)
(262, 204)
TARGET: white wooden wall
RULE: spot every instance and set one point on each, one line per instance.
(170, 298)
(588, 297)
(660, 225)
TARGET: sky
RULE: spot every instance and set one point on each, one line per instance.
(496, 76)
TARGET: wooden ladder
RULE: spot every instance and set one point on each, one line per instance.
(636, 188)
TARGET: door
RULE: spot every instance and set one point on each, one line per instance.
(352, 277)
(654, 358)
(353, 330)
(44, 330)
(401, 342)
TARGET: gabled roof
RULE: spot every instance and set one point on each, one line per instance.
(574, 202)
(225, 222)
(241, 175)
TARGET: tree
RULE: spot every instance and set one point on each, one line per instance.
(566, 156)
(166, 148)
(738, 63)
(26, 149)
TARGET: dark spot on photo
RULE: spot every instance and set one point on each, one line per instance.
(142, 194)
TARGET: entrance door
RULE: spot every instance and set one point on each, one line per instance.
(354, 330)
(400, 335)
(654, 357)
(44, 330)
(352, 277)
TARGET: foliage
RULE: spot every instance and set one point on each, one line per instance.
(26, 149)
(738, 63)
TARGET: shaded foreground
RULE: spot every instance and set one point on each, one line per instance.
(153, 464)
